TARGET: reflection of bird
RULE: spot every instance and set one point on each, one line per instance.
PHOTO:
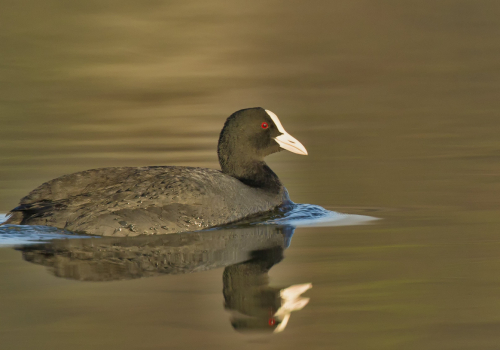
(165, 199)
(254, 305)
(247, 254)
(113, 259)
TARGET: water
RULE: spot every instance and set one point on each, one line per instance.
(396, 102)
(300, 215)
(307, 215)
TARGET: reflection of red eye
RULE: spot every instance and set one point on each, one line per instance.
(271, 321)
(264, 125)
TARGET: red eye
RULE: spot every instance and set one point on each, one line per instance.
(264, 125)
(271, 322)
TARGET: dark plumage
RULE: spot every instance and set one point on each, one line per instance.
(129, 201)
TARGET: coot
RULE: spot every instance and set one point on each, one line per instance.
(128, 201)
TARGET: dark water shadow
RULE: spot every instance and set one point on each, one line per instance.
(246, 254)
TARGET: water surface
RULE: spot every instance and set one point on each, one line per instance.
(396, 102)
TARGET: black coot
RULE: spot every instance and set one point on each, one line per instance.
(164, 199)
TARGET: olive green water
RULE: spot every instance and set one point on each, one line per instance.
(397, 102)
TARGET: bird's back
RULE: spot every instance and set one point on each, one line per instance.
(147, 200)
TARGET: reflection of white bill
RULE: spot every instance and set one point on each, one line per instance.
(292, 301)
(3, 217)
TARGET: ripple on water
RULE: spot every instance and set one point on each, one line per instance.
(300, 215)
(26, 234)
(310, 215)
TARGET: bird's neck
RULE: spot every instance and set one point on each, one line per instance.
(252, 172)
